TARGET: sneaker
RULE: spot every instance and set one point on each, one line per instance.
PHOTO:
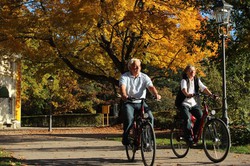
(195, 139)
(125, 141)
(194, 144)
(190, 141)
(148, 147)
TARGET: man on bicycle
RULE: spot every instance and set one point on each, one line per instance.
(190, 86)
(134, 84)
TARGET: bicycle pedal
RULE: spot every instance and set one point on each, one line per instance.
(136, 148)
(148, 149)
(194, 145)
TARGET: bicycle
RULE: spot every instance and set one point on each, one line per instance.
(141, 136)
(213, 132)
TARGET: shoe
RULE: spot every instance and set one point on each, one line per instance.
(190, 141)
(195, 140)
(147, 147)
(194, 145)
(125, 141)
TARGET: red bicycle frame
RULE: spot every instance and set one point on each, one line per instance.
(137, 129)
(203, 118)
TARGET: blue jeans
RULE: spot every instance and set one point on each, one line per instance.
(186, 113)
(128, 115)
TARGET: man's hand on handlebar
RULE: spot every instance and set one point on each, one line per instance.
(157, 97)
(124, 97)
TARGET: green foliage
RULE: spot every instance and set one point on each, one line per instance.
(240, 135)
(241, 149)
(238, 97)
(239, 86)
(163, 110)
(34, 91)
(66, 120)
(69, 93)
(6, 159)
(238, 73)
(213, 81)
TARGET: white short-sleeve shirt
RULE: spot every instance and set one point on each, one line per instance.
(135, 86)
(190, 102)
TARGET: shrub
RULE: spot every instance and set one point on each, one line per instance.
(240, 135)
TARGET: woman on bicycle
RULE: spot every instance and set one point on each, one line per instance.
(134, 84)
(190, 86)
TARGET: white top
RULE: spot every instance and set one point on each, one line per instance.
(190, 102)
(136, 86)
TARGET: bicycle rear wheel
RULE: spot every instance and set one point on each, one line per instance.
(148, 144)
(216, 140)
(131, 147)
(178, 143)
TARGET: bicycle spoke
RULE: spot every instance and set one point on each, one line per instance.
(178, 143)
(130, 148)
(216, 140)
(148, 145)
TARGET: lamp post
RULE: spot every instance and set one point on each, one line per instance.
(222, 11)
(50, 83)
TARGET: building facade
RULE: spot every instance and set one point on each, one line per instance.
(10, 92)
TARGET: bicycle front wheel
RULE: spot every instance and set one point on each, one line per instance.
(131, 147)
(148, 144)
(216, 140)
(178, 142)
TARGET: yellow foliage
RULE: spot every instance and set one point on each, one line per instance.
(98, 36)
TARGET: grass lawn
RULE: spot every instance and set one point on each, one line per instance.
(7, 160)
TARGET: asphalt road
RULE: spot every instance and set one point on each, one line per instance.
(66, 148)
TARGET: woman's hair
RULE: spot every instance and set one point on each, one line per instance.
(184, 73)
(133, 60)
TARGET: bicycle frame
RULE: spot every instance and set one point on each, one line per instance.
(203, 120)
(214, 133)
(142, 136)
(139, 118)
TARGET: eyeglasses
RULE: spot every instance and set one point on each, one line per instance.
(135, 67)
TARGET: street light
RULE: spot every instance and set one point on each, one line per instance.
(50, 83)
(222, 11)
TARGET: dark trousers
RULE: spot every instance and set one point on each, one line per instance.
(128, 115)
(186, 113)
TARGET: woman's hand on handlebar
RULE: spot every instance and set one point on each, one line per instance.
(214, 96)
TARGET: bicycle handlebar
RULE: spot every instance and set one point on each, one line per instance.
(141, 99)
(134, 99)
(213, 96)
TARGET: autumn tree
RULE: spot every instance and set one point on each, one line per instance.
(95, 38)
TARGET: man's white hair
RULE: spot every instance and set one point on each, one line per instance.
(133, 60)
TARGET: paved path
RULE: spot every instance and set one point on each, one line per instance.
(91, 149)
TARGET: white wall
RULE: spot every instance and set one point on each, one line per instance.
(7, 105)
